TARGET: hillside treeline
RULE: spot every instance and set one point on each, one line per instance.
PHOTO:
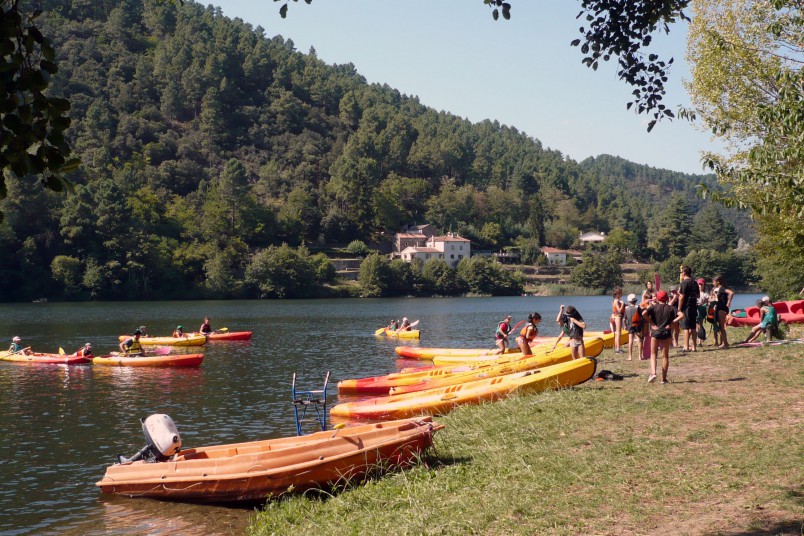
(206, 144)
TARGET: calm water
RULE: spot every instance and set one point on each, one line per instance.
(63, 425)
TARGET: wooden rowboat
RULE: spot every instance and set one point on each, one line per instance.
(255, 471)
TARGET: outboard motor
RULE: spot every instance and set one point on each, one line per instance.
(161, 437)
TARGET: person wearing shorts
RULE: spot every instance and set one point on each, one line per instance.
(662, 317)
(688, 303)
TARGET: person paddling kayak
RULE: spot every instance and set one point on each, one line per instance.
(132, 345)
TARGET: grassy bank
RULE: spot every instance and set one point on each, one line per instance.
(717, 451)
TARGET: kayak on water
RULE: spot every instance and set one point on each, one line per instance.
(44, 358)
(177, 360)
(400, 334)
(187, 340)
(226, 335)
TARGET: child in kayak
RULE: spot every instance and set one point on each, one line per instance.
(16, 347)
(132, 346)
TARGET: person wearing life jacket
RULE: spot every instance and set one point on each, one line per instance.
(85, 351)
(501, 335)
(206, 327)
(393, 325)
(16, 347)
(528, 334)
(178, 332)
(405, 325)
(132, 345)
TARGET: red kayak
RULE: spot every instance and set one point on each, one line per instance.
(791, 312)
(229, 336)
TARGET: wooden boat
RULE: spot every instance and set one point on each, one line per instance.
(439, 376)
(442, 400)
(44, 358)
(399, 334)
(188, 340)
(176, 360)
(227, 335)
(257, 470)
(791, 312)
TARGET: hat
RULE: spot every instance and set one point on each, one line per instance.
(766, 299)
(88, 345)
(701, 281)
(16, 339)
(509, 317)
(179, 327)
(661, 296)
(404, 319)
(632, 297)
(137, 332)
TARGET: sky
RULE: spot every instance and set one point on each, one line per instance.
(455, 57)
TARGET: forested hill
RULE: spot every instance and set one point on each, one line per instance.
(205, 140)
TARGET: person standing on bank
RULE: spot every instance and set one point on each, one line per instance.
(617, 313)
(688, 294)
(573, 321)
(501, 335)
(723, 297)
(662, 317)
(635, 324)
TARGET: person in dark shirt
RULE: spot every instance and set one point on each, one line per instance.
(688, 304)
(662, 317)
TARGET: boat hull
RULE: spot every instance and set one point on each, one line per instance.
(228, 336)
(178, 360)
(261, 469)
(439, 376)
(400, 334)
(187, 340)
(44, 358)
(442, 400)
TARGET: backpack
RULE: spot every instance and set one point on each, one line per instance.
(710, 313)
(636, 321)
(701, 332)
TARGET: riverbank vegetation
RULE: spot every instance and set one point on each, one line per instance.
(206, 144)
(713, 452)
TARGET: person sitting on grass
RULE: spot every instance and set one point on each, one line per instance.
(769, 320)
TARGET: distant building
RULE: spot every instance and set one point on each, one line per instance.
(558, 257)
(403, 241)
(451, 248)
(592, 237)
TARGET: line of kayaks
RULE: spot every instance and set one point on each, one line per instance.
(791, 312)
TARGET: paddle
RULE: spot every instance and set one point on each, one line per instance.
(162, 350)
(61, 351)
(222, 329)
(657, 281)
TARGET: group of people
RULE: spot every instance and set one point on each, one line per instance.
(131, 346)
(570, 320)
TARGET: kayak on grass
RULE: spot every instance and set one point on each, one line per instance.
(442, 400)
(432, 377)
(791, 312)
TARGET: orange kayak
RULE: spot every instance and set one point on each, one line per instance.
(260, 469)
(44, 358)
(177, 360)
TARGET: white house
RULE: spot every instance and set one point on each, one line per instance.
(451, 248)
(559, 257)
(591, 237)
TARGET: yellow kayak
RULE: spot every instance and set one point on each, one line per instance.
(400, 334)
(432, 377)
(606, 337)
(442, 400)
(187, 340)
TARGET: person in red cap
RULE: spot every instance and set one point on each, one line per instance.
(661, 316)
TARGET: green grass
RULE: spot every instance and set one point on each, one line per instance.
(718, 451)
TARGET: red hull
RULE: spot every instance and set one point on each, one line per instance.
(791, 312)
(230, 336)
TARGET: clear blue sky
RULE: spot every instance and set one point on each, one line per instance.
(521, 72)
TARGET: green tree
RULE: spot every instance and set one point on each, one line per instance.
(375, 276)
(282, 272)
(597, 271)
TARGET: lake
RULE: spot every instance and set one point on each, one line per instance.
(64, 425)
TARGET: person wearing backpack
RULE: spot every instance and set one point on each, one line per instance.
(662, 317)
(634, 323)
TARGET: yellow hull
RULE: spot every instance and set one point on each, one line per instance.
(442, 400)
(400, 334)
(187, 340)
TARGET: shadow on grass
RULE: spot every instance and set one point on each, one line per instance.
(781, 527)
(725, 380)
